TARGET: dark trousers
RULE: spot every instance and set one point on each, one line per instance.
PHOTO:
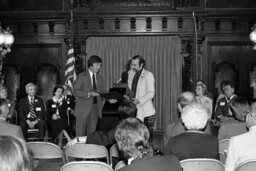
(150, 122)
(40, 125)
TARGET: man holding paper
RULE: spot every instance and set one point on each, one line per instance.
(143, 88)
(89, 103)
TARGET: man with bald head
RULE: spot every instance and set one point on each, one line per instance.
(176, 128)
(243, 147)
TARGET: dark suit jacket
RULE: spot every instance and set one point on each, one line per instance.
(82, 87)
(106, 139)
(39, 108)
(154, 163)
(222, 108)
(10, 129)
(193, 145)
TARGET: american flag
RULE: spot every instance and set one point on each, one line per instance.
(70, 73)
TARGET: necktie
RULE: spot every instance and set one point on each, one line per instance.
(94, 87)
(134, 84)
(32, 109)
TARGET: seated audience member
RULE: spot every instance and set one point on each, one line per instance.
(132, 139)
(243, 147)
(176, 128)
(193, 143)
(202, 99)
(56, 112)
(14, 155)
(223, 105)
(32, 112)
(11, 104)
(7, 128)
(126, 109)
(236, 125)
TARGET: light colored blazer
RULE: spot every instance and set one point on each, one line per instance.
(241, 148)
(82, 87)
(145, 93)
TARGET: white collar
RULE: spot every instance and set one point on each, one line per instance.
(130, 160)
(57, 100)
(2, 118)
(252, 128)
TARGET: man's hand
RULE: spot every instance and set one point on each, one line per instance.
(55, 117)
(94, 94)
(30, 124)
(135, 101)
(112, 101)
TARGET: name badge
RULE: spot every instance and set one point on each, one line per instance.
(54, 106)
(222, 103)
(38, 108)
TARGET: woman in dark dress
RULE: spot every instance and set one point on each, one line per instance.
(57, 115)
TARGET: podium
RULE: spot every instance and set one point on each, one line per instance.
(110, 116)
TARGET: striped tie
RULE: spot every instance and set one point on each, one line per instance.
(32, 109)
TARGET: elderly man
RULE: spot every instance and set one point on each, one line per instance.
(176, 128)
(132, 139)
(243, 147)
(193, 143)
(6, 128)
(32, 112)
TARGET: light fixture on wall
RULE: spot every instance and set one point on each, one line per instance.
(253, 36)
(6, 41)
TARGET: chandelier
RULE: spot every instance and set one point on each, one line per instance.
(253, 36)
(6, 41)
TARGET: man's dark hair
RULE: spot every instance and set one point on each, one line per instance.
(127, 109)
(93, 59)
(141, 60)
(226, 83)
(56, 88)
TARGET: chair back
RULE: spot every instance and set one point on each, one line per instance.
(248, 165)
(114, 152)
(86, 165)
(223, 148)
(120, 165)
(201, 164)
(86, 151)
(45, 150)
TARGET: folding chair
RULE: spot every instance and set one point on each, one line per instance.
(201, 164)
(86, 151)
(248, 165)
(114, 152)
(120, 165)
(223, 148)
(86, 165)
(49, 155)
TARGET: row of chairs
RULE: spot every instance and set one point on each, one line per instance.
(46, 150)
(202, 164)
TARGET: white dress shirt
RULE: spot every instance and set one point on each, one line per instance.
(241, 148)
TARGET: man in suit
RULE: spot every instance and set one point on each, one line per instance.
(193, 143)
(143, 88)
(223, 105)
(243, 147)
(32, 112)
(132, 139)
(89, 103)
(7, 128)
